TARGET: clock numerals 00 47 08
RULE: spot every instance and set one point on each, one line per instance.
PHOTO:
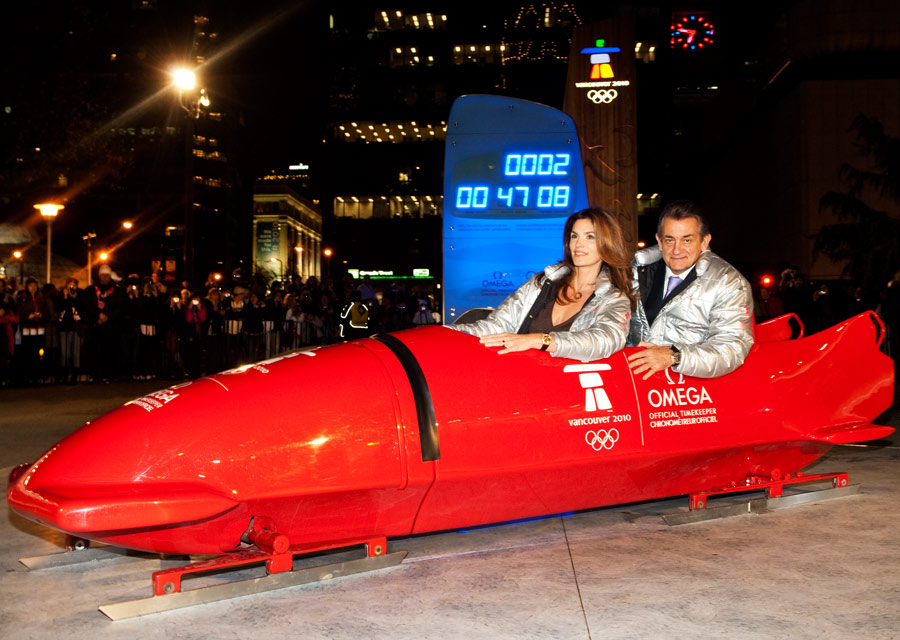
(530, 181)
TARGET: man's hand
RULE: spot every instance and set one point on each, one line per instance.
(652, 359)
(511, 342)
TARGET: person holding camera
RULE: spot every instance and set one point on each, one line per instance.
(423, 315)
(35, 312)
(72, 329)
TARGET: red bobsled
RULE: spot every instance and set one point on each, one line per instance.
(426, 430)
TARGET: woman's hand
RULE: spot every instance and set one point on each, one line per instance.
(512, 342)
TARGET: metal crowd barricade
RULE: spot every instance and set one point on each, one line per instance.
(299, 333)
(273, 338)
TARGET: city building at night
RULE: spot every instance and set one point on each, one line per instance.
(287, 233)
(100, 125)
(395, 73)
(782, 136)
(742, 108)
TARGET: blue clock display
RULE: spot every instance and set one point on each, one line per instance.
(512, 174)
(522, 184)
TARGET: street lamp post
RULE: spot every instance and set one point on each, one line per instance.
(49, 212)
(273, 260)
(20, 257)
(327, 253)
(299, 251)
(191, 102)
(88, 237)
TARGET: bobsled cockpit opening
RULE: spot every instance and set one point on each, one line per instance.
(879, 327)
(473, 315)
(786, 327)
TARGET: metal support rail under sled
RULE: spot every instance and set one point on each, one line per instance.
(80, 551)
(167, 584)
(774, 488)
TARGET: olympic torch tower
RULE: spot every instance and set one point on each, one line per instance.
(600, 98)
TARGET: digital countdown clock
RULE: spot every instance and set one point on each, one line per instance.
(519, 184)
(512, 175)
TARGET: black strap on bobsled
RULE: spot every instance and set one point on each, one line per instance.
(428, 435)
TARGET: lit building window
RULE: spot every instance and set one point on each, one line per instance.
(648, 203)
(478, 54)
(410, 206)
(645, 51)
(395, 131)
(396, 20)
(408, 57)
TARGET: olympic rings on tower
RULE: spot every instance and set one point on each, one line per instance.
(602, 96)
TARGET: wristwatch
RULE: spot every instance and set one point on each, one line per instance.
(546, 339)
(676, 356)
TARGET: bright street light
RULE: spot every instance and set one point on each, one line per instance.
(184, 79)
(18, 256)
(191, 102)
(273, 260)
(49, 211)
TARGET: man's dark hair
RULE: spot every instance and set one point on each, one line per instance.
(681, 210)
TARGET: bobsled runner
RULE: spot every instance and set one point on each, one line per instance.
(427, 430)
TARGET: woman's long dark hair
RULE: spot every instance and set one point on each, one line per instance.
(611, 246)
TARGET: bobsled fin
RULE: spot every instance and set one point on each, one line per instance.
(847, 433)
(117, 508)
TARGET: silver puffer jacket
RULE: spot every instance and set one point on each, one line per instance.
(599, 329)
(709, 322)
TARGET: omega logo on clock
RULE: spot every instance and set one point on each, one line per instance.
(691, 32)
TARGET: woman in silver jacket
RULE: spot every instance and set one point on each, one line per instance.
(579, 308)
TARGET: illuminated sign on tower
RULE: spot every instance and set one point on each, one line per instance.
(601, 99)
(600, 86)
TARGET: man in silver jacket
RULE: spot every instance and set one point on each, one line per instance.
(599, 329)
(694, 309)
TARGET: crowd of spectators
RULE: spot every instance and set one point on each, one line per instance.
(143, 328)
(820, 305)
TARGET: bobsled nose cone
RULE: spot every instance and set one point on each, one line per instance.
(185, 469)
(96, 480)
(15, 474)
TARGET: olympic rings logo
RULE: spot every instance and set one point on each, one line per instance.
(602, 439)
(602, 96)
